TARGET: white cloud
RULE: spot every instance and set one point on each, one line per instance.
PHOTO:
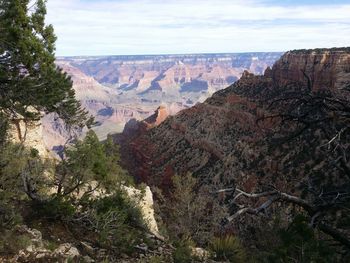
(88, 27)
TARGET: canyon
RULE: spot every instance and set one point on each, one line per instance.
(116, 89)
(218, 140)
(202, 157)
(240, 142)
(282, 130)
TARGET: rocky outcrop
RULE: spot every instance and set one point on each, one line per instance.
(327, 69)
(158, 117)
(144, 200)
(133, 130)
(31, 134)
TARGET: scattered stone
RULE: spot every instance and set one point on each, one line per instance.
(41, 255)
(200, 253)
(34, 235)
(67, 250)
(88, 249)
(36, 251)
(143, 247)
(87, 259)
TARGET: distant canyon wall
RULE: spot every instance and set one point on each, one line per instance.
(172, 73)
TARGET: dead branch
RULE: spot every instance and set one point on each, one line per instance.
(254, 211)
(315, 211)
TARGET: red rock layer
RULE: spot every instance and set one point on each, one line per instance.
(327, 69)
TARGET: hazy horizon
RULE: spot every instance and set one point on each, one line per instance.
(168, 54)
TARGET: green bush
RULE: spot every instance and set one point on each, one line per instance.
(9, 216)
(117, 221)
(56, 208)
(300, 243)
(157, 259)
(119, 201)
(50, 245)
(228, 248)
(88, 162)
(3, 128)
(182, 252)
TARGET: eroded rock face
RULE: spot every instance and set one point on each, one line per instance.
(31, 134)
(205, 139)
(144, 199)
(158, 117)
(327, 69)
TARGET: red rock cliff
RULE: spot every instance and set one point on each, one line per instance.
(327, 69)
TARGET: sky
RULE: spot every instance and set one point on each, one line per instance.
(135, 27)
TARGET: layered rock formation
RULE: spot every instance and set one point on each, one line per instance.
(327, 69)
(172, 73)
(219, 139)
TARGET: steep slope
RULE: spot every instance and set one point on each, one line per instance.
(284, 135)
(102, 102)
(93, 96)
(86, 88)
(220, 140)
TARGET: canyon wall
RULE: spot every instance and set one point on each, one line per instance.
(172, 73)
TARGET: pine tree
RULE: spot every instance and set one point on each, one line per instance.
(30, 82)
